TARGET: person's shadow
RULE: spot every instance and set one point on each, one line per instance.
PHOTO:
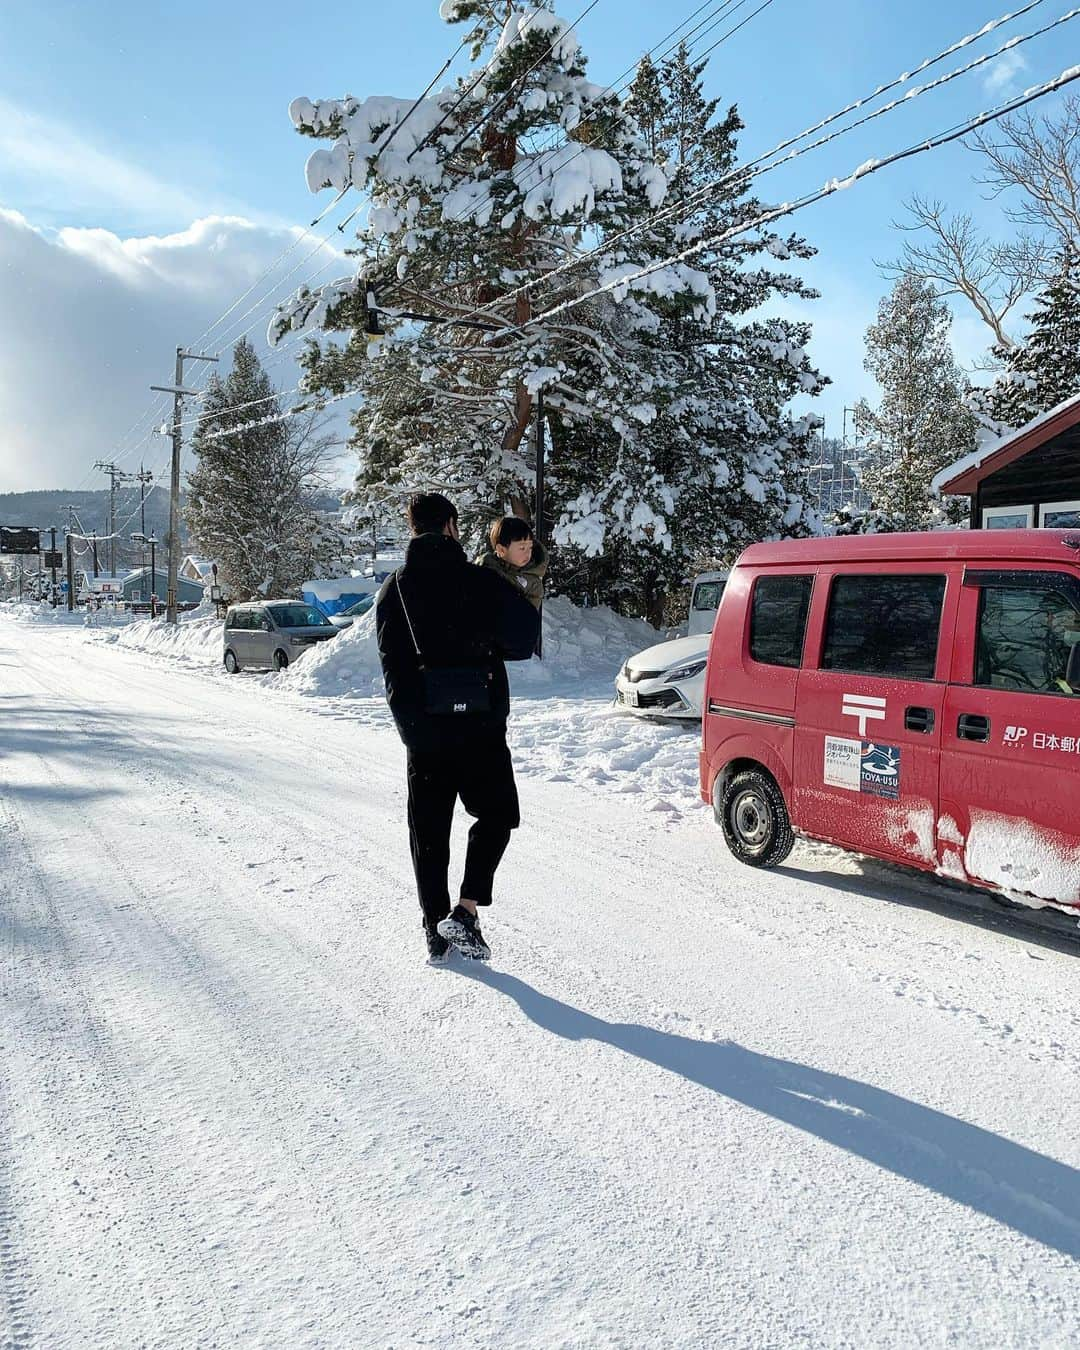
(1025, 1190)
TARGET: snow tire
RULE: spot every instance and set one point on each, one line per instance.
(231, 663)
(754, 817)
(281, 659)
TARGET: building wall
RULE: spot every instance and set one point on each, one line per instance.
(1049, 474)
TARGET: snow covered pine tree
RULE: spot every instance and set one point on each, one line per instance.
(922, 423)
(1044, 369)
(732, 459)
(479, 190)
(249, 503)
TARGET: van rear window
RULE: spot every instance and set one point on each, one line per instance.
(884, 625)
(778, 620)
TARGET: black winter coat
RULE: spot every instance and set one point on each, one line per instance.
(463, 616)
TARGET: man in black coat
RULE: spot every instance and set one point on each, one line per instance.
(445, 625)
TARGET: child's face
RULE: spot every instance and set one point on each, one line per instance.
(517, 554)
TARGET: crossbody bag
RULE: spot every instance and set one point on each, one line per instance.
(449, 691)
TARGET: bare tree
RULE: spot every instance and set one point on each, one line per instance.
(1041, 157)
(957, 259)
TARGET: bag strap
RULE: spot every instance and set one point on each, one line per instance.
(404, 610)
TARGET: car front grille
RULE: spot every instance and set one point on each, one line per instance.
(666, 698)
(636, 676)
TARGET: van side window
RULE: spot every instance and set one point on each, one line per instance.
(884, 625)
(1025, 639)
(707, 595)
(778, 620)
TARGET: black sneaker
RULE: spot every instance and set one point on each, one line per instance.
(438, 949)
(463, 933)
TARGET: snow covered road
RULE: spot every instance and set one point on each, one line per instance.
(690, 1105)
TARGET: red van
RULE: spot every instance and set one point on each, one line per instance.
(911, 696)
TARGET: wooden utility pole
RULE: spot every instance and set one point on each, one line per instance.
(178, 392)
(116, 475)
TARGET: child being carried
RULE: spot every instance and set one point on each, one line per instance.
(518, 556)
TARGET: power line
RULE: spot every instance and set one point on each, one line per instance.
(317, 404)
(751, 169)
(788, 208)
(708, 23)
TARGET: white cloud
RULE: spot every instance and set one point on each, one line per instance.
(44, 160)
(98, 321)
(1002, 73)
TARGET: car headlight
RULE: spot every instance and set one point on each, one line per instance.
(686, 672)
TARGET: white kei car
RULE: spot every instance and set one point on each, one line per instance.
(668, 680)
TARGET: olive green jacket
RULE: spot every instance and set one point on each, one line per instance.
(529, 580)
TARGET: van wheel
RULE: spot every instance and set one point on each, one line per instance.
(231, 663)
(281, 660)
(755, 820)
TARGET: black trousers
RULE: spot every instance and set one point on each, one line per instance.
(482, 775)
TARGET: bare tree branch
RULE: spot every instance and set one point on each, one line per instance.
(1041, 157)
(957, 259)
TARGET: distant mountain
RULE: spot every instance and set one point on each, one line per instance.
(50, 510)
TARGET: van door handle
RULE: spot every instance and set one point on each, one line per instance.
(973, 727)
(919, 719)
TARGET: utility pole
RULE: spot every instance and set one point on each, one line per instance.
(153, 577)
(70, 573)
(143, 478)
(93, 546)
(116, 475)
(178, 392)
(52, 560)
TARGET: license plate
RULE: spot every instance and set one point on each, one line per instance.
(632, 698)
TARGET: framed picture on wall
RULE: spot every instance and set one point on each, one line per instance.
(1060, 515)
(1008, 517)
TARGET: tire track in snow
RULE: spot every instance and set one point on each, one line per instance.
(564, 1172)
(142, 1204)
(859, 948)
(16, 1274)
(221, 997)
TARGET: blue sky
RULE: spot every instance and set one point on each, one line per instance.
(134, 120)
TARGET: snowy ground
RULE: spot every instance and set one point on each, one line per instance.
(689, 1105)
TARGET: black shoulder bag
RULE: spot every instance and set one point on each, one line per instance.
(449, 691)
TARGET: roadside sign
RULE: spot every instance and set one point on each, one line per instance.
(19, 539)
(51, 559)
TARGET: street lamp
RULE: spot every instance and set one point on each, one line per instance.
(141, 538)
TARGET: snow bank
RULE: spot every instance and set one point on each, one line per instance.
(583, 650)
(33, 611)
(345, 667)
(563, 725)
(581, 646)
(195, 639)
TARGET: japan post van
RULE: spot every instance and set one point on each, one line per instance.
(915, 697)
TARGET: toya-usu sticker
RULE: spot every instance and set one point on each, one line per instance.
(880, 771)
(862, 766)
